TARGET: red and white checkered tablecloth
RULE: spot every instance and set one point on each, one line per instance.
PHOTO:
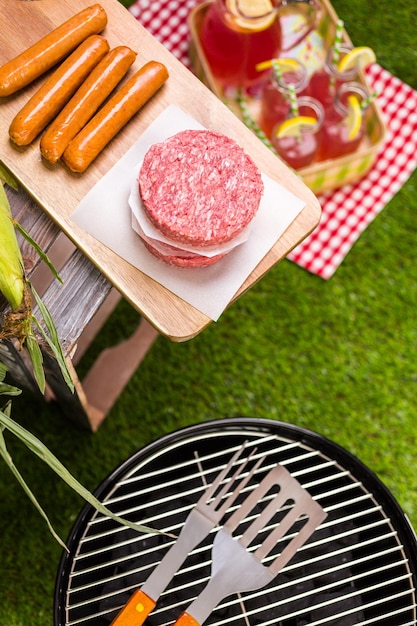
(350, 209)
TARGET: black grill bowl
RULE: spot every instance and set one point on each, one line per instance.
(359, 567)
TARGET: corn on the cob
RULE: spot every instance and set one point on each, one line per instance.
(11, 263)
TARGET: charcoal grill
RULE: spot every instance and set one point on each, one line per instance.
(359, 567)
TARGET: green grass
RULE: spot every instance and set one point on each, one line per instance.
(337, 357)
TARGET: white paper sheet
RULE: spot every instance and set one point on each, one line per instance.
(105, 213)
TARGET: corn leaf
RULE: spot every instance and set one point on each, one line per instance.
(9, 462)
(53, 338)
(37, 361)
(44, 257)
(9, 390)
(38, 448)
(5, 389)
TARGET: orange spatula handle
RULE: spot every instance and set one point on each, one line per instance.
(185, 619)
(135, 611)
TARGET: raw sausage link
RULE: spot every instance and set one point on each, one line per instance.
(121, 107)
(85, 102)
(44, 105)
(44, 54)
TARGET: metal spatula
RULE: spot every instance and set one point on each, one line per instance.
(237, 569)
(207, 513)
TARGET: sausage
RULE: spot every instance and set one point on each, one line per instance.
(42, 107)
(117, 111)
(48, 51)
(85, 102)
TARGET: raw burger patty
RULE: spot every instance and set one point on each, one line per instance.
(199, 187)
(190, 260)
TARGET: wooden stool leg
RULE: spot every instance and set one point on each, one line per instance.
(112, 370)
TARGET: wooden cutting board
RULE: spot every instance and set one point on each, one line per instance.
(58, 191)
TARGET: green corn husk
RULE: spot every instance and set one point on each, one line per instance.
(7, 177)
(18, 323)
(11, 263)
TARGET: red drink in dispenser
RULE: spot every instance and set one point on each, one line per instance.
(232, 50)
(237, 34)
(297, 139)
(275, 101)
(344, 127)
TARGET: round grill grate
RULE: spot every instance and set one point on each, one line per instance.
(359, 567)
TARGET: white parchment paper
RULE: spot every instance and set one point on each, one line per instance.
(105, 213)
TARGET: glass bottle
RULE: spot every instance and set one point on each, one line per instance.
(275, 102)
(335, 141)
(325, 82)
(301, 149)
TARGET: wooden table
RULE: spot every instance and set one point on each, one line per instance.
(48, 195)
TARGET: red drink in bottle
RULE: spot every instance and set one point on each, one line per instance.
(336, 135)
(325, 82)
(299, 146)
(275, 102)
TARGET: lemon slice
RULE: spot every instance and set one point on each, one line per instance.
(255, 8)
(255, 15)
(292, 127)
(354, 116)
(285, 65)
(360, 57)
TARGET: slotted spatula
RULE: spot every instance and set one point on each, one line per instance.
(207, 513)
(236, 569)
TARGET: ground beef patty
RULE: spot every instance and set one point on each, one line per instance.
(183, 260)
(199, 188)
